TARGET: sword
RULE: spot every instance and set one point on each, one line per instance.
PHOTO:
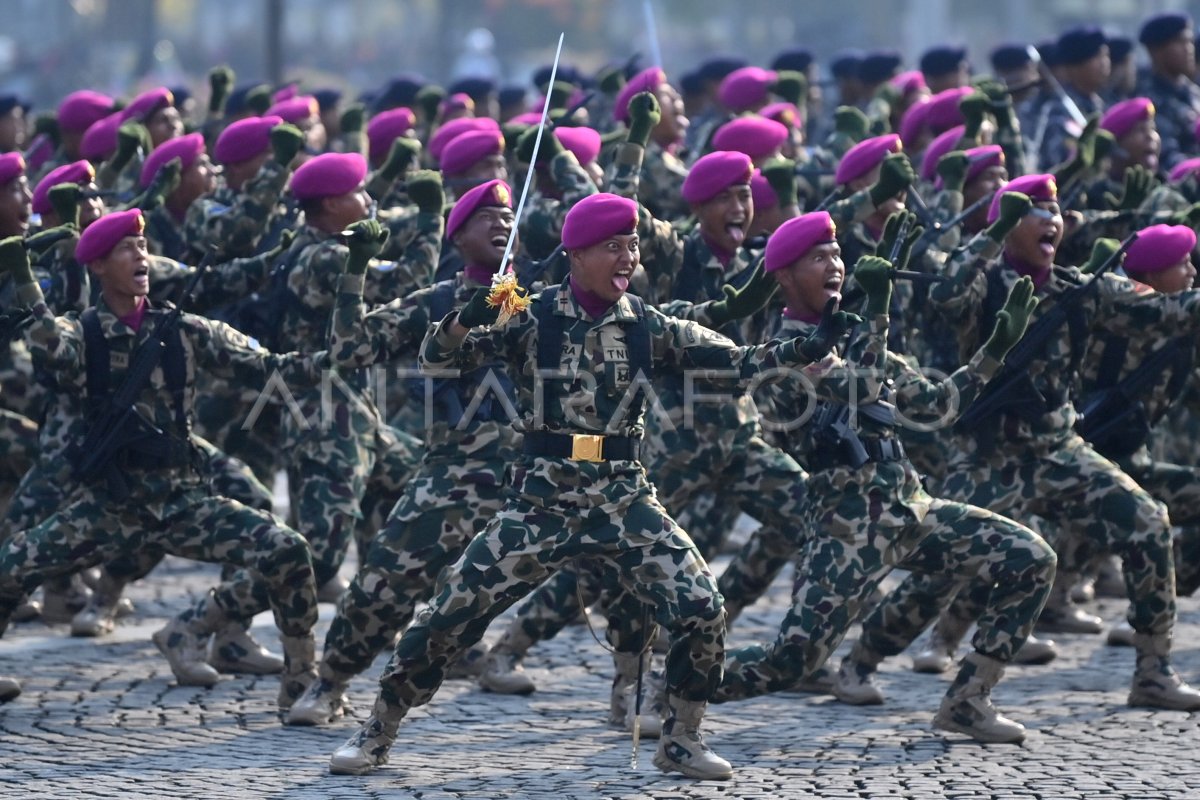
(652, 33)
(1057, 87)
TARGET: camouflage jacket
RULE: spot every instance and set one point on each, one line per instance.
(1176, 107)
(233, 222)
(541, 229)
(661, 184)
(479, 445)
(1061, 129)
(869, 373)
(165, 235)
(979, 283)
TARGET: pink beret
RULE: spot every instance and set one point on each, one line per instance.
(983, 158)
(1041, 188)
(295, 109)
(783, 113)
(583, 142)
(186, 148)
(745, 88)
(528, 118)
(915, 119)
(78, 172)
(909, 82)
(455, 103)
(648, 80)
(797, 236)
(755, 136)
(1159, 247)
(944, 112)
(1184, 170)
(385, 128)
(939, 147)
(99, 238)
(866, 156)
(100, 140)
(12, 165)
(146, 103)
(286, 93)
(466, 150)
(79, 110)
(1121, 118)
(492, 193)
(329, 175)
(714, 173)
(597, 217)
(760, 189)
(245, 139)
(446, 133)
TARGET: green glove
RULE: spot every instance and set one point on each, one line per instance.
(47, 125)
(781, 175)
(429, 99)
(130, 136)
(365, 239)
(425, 189)
(952, 169)
(973, 107)
(550, 147)
(14, 260)
(1102, 251)
(880, 127)
(286, 143)
(44, 240)
(220, 81)
(874, 275)
(1012, 320)
(1085, 154)
(64, 199)
(401, 154)
(1189, 217)
(286, 236)
(611, 80)
(1106, 143)
(891, 230)
(561, 93)
(258, 99)
(739, 303)
(644, 114)
(896, 174)
(829, 332)
(889, 93)
(792, 86)
(851, 123)
(999, 101)
(1139, 182)
(353, 118)
(165, 181)
(1013, 206)
(477, 313)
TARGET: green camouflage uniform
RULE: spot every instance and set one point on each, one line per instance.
(541, 228)
(348, 467)
(1176, 109)
(169, 508)
(561, 509)
(867, 521)
(233, 222)
(455, 492)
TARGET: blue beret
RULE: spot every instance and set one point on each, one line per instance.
(399, 91)
(942, 60)
(475, 87)
(10, 101)
(878, 66)
(715, 69)
(327, 98)
(796, 60)
(1009, 57)
(236, 103)
(512, 95)
(1080, 44)
(1048, 50)
(1163, 28)
(1119, 48)
(691, 83)
(845, 64)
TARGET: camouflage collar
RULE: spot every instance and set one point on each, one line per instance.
(111, 325)
(567, 306)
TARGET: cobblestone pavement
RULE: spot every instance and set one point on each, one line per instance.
(104, 719)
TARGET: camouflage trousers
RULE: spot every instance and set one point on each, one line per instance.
(849, 554)
(427, 531)
(343, 484)
(1179, 487)
(1092, 507)
(607, 512)
(92, 528)
(18, 449)
(222, 415)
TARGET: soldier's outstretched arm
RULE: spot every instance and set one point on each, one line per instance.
(228, 353)
(55, 343)
(359, 339)
(453, 344)
(416, 266)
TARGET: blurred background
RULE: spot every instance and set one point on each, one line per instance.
(51, 47)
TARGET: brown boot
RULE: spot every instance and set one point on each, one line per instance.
(945, 637)
(1156, 684)
(682, 748)
(967, 707)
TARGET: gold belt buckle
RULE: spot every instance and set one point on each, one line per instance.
(587, 447)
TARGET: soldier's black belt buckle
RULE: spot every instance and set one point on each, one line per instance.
(587, 447)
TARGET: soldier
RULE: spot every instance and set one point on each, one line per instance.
(760, 138)
(579, 490)
(166, 506)
(155, 109)
(945, 67)
(1168, 83)
(866, 508)
(1122, 81)
(562, 181)
(1083, 55)
(663, 172)
(469, 441)
(76, 113)
(165, 224)
(471, 159)
(304, 112)
(1025, 457)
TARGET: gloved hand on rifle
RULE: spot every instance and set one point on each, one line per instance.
(896, 174)
(365, 240)
(891, 246)
(874, 275)
(1012, 320)
(952, 169)
(1102, 251)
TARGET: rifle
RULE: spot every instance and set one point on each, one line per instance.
(939, 228)
(857, 293)
(1012, 390)
(117, 425)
